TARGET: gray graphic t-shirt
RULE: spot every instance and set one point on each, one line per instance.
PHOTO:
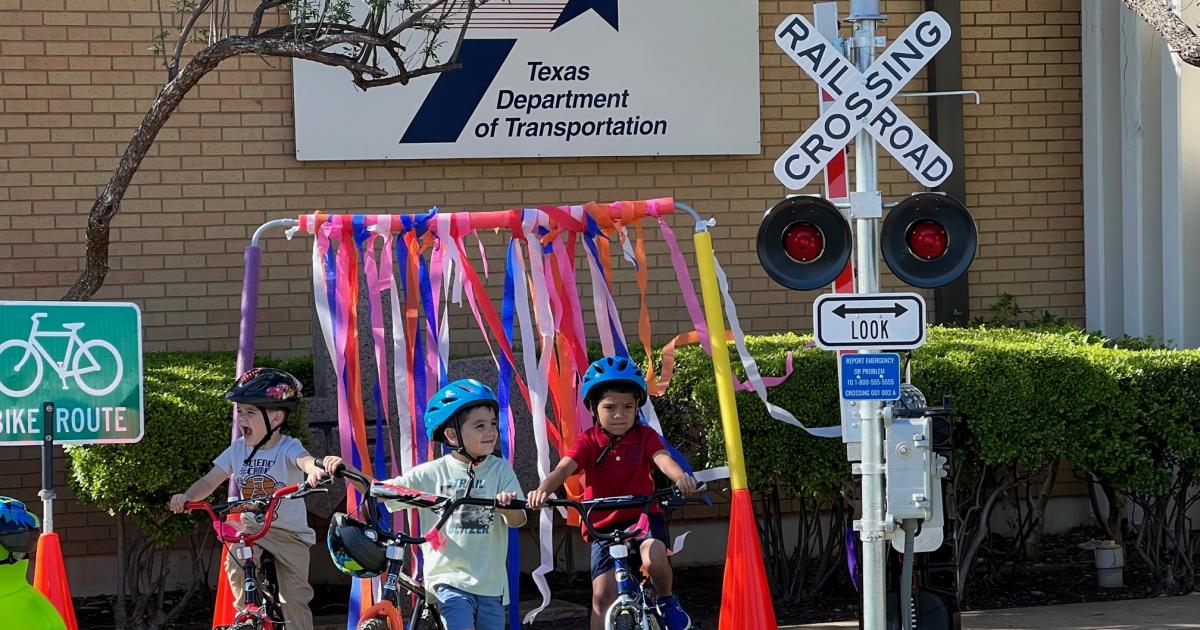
(269, 469)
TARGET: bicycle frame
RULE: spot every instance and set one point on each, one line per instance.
(629, 591)
(73, 340)
(242, 546)
(394, 576)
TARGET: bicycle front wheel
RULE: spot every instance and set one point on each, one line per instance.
(103, 367)
(623, 616)
(376, 623)
(19, 382)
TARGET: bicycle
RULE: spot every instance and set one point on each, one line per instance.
(635, 607)
(387, 613)
(262, 609)
(77, 350)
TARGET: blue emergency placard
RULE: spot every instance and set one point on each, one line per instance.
(870, 376)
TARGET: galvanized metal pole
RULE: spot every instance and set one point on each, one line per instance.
(865, 15)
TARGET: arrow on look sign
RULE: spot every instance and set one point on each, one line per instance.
(896, 310)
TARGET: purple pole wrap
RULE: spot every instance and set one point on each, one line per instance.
(245, 356)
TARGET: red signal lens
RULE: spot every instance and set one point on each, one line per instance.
(804, 242)
(927, 240)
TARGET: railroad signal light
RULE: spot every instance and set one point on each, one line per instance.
(804, 242)
(928, 240)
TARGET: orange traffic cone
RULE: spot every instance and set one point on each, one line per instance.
(223, 610)
(50, 577)
(745, 595)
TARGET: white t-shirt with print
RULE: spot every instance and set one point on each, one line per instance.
(269, 469)
(473, 558)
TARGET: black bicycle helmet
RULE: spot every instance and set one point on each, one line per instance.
(266, 388)
(355, 547)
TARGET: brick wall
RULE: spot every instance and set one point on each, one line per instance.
(77, 78)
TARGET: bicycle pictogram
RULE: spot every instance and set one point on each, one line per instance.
(83, 357)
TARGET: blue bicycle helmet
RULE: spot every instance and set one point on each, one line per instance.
(612, 370)
(19, 529)
(449, 401)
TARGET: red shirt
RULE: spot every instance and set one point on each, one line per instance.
(624, 470)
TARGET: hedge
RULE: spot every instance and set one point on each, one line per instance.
(187, 426)
(1026, 396)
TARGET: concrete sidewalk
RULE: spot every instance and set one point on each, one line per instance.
(1136, 614)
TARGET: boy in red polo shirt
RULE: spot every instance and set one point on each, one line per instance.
(615, 456)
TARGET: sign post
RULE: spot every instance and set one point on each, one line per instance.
(862, 88)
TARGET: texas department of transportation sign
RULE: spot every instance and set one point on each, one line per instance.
(85, 358)
(554, 78)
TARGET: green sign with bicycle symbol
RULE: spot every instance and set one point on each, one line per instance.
(85, 358)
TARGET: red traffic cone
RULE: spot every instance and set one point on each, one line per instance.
(223, 610)
(50, 577)
(745, 595)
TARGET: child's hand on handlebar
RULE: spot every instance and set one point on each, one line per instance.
(176, 503)
(329, 464)
(686, 485)
(536, 499)
(504, 498)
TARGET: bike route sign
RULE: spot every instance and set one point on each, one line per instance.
(85, 358)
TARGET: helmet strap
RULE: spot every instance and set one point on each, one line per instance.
(266, 436)
(461, 449)
(612, 442)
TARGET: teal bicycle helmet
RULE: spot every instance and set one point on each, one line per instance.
(19, 529)
(609, 371)
(355, 547)
(451, 400)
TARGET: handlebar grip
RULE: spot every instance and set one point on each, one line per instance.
(515, 504)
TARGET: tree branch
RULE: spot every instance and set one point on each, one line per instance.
(173, 66)
(256, 21)
(1180, 38)
(109, 202)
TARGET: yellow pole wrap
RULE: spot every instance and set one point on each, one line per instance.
(715, 318)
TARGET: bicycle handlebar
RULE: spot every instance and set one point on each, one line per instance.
(607, 504)
(217, 510)
(446, 506)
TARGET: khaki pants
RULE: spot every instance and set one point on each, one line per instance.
(291, 569)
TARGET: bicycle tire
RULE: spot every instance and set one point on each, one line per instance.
(376, 623)
(622, 616)
(86, 349)
(36, 359)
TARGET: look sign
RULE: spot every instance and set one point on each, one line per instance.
(863, 99)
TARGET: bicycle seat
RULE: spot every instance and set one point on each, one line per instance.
(73, 326)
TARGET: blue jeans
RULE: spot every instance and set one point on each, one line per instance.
(461, 610)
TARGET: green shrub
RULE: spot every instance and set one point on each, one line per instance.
(187, 426)
(1028, 396)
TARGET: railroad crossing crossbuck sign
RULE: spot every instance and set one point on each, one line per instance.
(863, 99)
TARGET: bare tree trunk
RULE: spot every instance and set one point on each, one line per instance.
(1033, 545)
